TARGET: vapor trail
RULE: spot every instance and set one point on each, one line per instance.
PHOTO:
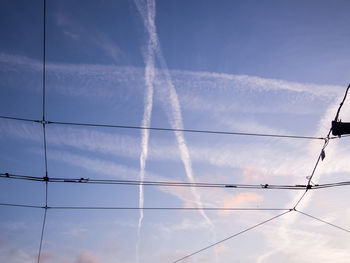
(147, 11)
(148, 103)
(175, 119)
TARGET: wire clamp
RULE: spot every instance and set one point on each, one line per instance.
(83, 180)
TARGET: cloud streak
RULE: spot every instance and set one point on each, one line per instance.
(287, 237)
(146, 121)
(168, 93)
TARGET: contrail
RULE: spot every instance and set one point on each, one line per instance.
(147, 11)
(148, 102)
(175, 119)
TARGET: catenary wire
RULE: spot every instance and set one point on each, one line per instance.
(147, 208)
(230, 237)
(21, 205)
(309, 186)
(321, 155)
(341, 104)
(43, 122)
(323, 221)
(168, 129)
(169, 183)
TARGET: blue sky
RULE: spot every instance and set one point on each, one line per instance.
(276, 67)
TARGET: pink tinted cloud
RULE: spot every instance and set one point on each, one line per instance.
(86, 257)
(221, 249)
(240, 200)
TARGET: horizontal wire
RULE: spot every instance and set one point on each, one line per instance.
(230, 237)
(168, 129)
(325, 222)
(189, 130)
(329, 185)
(168, 208)
(147, 208)
(151, 183)
(21, 205)
(18, 119)
(171, 184)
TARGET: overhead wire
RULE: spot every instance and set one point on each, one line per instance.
(308, 187)
(21, 205)
(341, 104)
(170, 183)
(19, 119)
(232, 236)
(44, 122)
(46, 179)
(321, 156)
(147, 208)
(168, 129)
(323, 221)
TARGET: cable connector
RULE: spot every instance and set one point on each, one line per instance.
(46, 178)
(83, 180)
(44, 122)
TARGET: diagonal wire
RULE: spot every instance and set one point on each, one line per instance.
(230, 237)
(309, 186)
(321, 155)
(323, 221)
(341, 104)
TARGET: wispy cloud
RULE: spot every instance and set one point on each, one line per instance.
(284, 243)
(184, 225)
(268, 161)
(239, 200)
(85, 80)
(95, 165)
(75, 31)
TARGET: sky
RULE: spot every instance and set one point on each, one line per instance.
(275, 67)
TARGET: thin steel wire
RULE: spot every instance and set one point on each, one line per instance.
(323, 221)
(170, 184)
(44, 129)
(146, 208)
(321, 155)
(168, 129)
(230, 237)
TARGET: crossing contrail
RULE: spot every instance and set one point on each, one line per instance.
(147, 11)
(146, 121)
